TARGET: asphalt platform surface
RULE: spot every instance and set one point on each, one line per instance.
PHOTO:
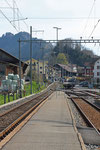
(51, 128)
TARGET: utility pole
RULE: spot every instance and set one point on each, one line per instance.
(57, 29)
(20, 92)
(43, 64)
(31, 58)
(38, 74)
(42, 31)
(31, 54)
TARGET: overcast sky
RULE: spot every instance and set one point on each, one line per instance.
(76, 18)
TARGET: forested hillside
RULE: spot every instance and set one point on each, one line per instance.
(74, 53)
(61, 53)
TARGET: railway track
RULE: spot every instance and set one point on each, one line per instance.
(91, 97)
(10, 119)
(93, 94)
(89, 111)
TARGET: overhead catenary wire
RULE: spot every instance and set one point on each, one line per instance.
(88, 17)
(59, 18)
(8, 20)
(18, 13)
(8, 4)
(94, 28)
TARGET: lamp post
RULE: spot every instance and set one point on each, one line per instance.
(57, 29)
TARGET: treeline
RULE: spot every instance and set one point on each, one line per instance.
(74, 53)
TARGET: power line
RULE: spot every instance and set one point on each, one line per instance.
(22, 16)
(18, 13)
(8, 4)
(88, 17)
(60, 18)
(94, 28)
(8, 19)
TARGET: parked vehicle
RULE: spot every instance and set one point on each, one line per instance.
(70, 83)
(84, 84)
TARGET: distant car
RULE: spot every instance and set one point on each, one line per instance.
(84, 84)
(70, 83)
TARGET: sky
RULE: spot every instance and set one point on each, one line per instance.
(76, 18)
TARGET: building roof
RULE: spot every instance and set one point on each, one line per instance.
(11, 60)
(15, 58)
(7, 63)
(97, 60)
(68, 67)
(34, 60)
(92, 62)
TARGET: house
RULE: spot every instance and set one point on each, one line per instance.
(91, 71)
(80, 71)
(96, 72)
(10, 64)
(66, 70)
(53, 73)
(88, 69)
(39, 67)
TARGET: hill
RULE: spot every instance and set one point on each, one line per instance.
(9, 42)
(75, 53)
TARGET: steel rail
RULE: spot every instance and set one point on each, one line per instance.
(8, 129)
(84, 115)
(24, 103)
(88, 94)
(93, 105)
(81, 95)
(92, 93)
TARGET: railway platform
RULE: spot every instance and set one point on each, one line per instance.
(50, 128)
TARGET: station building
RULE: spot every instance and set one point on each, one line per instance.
(10, 64)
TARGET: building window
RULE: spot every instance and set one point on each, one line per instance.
(87, 71)
(40, 67)
(98, 73)
(98, 67)
(41, 72)
(98, 80)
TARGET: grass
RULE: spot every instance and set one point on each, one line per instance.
(2, 99)
(35, 87)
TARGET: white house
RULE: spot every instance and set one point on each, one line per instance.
(96, 72)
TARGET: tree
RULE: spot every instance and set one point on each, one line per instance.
(61, 59)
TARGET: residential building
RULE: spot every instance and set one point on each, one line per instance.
(53, 73)
(96, 72)
(39, 67)
(80, 71)
(88, 69)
